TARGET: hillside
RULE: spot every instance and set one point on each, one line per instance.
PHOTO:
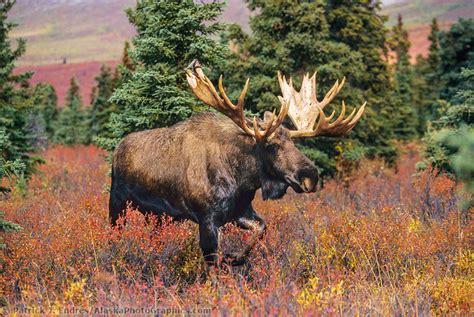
(59, 76)
(85, 33)
(78, 30)
(422, 12)
(417, 16)
(82, 30)
(82, 33)
(94, 30)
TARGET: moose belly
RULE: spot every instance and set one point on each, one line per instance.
(158, 204)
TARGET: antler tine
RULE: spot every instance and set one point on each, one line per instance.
(236, 112)
(205, 91)
(339, 127)
(341, 115)
(240, 101)
(359, 114)
(333, 113)
(349, 117)
(274, 123)
(315, 87)
(267, 128)
(224, 95)
(285, 106)
(332, 93)
(306, 111)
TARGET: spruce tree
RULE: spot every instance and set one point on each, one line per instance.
(125, 68)
(360, 25)
(45, 101)
(170, 35)
(449, 146)
(405, 121)
(101, 108)
(302, 37)
(72, 126)
(16, 160)
(431, 72)
(14, 103)
(127, 62)
(433, 55)
(422, 94)
(456, 53)
(427, 84)
(8, 170)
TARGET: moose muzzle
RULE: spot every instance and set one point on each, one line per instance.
(308, 185)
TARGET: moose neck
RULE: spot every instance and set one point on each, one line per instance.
(252, 174)
(272, 187)
(246, 160)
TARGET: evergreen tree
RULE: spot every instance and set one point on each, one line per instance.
(302, 37)
(450, 147)
(14, 104)
(170, 35)
(449, 52)
(36, 130)
(72, 127)
(400, 44)
(459, 145)
(433, 55)
(286, 37)
(125, 68)
(422, 94)
(427, 84)
(45, 101)
(101, 108)
(456, 53)
(15, 107)
(360, 25)
(406, 120)
(8, 169)
(127, 62)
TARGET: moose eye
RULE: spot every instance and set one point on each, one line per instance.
(273, 147)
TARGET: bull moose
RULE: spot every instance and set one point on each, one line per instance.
(209, 167)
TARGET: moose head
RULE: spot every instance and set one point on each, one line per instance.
(284, 165)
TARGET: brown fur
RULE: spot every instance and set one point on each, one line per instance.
(205, 169)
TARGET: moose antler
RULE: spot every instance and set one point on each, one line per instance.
(206, 92)
(305, 109)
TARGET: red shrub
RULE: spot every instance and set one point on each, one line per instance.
(389, 243)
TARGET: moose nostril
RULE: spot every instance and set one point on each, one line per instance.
(307, 184)
(308, 179)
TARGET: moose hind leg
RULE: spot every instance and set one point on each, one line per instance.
(117, 208)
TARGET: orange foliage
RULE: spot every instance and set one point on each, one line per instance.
(390, 243)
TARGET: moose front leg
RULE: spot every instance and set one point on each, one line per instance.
(249, 221)
(209, 241)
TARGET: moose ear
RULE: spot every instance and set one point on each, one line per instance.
(267, 116)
